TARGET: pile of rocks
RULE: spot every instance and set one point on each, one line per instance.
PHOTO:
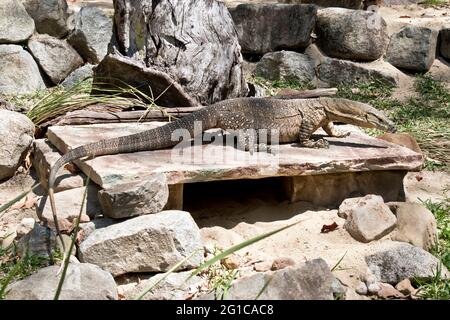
(332, 46)
(42, 44)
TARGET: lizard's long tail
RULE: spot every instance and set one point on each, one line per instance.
(157, 138)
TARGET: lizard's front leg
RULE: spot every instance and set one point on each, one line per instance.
(331, 130)
(248, 140)
(308, 126)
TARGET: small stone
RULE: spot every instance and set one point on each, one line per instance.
(369, 278)
(56, 57)
(413, 48)
(68, 205)
(415, 225)
(404, 261)
(19, 73)
(368, 218)
(281, 263)
(387, 291)
(150, 243)
(361, 288)
(263, 266)
(402, 139)
(231, 262)
(144, 196)
(406, 287)
(15, 23)
(25, 226)
(287, 66)
(92, 34)
(16, 136)
(83, 281)
(373, 288)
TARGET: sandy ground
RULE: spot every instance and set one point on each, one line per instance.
(231, 212)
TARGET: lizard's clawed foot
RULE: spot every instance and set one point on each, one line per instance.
(317, 144)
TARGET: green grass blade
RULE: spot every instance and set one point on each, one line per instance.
(67, 255)
(16, 199)
(170, 271)
(339, 262)
(266, 285)
(238, 247)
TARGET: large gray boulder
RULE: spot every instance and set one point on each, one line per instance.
(15, 23)
(56, 57)
(80, 74)
(176, 286)
(312, 280)
(336, 72)
(144, 196)
(413, 48)
(68, 204)
(16, 136)
(41, 241)
(444, 36)
(271, 27)
(50, 16)
(367, 218)
(351, 34)
(83, 281)
(150, 243)
(92, 34)
(405, 261)
(286, 65)
(415, 224)
(186, 51)
(19, 72)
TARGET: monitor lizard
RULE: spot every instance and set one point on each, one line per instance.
(295, 120)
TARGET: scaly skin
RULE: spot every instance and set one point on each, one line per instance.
(294, 119)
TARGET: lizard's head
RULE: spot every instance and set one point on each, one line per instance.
(360, 114)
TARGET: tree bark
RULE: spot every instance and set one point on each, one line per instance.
(193, 42)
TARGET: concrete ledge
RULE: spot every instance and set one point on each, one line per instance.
(331, 189)
(355, 153)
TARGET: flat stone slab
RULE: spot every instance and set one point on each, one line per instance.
(357, 152)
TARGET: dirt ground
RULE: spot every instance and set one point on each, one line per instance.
(231, 212)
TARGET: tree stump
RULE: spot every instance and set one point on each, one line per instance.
(189, 47)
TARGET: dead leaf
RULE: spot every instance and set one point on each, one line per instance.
(329, 227)
(27, 203)
(405, 17)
